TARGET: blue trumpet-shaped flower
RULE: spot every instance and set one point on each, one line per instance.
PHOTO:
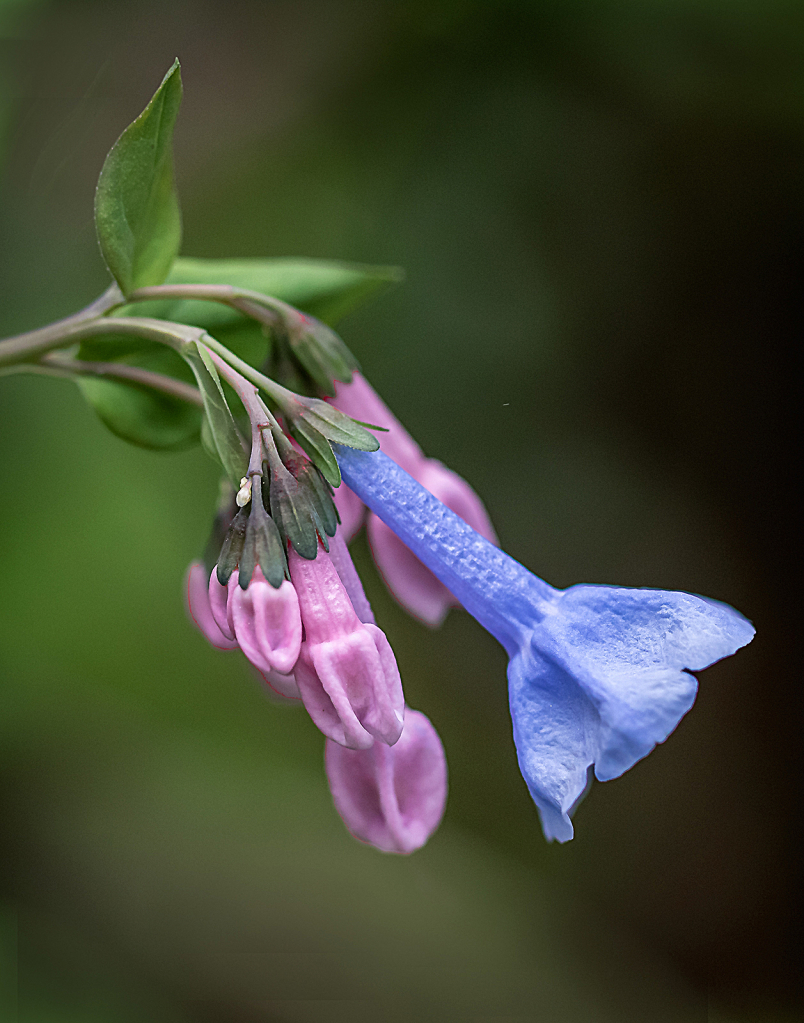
(597, 674)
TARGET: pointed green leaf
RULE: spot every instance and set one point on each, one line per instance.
(136, 209)
(225, 435)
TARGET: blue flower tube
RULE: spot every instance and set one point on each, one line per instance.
(598, 675)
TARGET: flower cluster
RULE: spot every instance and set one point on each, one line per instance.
(284, 590)
(313, 638)
(598, 675)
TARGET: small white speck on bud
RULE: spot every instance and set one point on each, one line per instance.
(244, 493)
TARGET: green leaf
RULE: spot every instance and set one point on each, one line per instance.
(134, 413)
(136, 209)
(327, 289)
(225, 435)
(141, 415)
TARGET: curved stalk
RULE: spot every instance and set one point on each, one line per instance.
(27, 346)
(130, 374)
(255, 304)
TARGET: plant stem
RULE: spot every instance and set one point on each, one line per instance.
(23, 347)
(121, 371)
(260, 307)
(255, 409)
(284, 398)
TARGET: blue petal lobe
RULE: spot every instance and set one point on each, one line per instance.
(556, 732)
(630, 651)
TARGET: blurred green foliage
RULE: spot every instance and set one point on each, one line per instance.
(597, 206)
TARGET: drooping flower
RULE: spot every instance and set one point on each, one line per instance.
(598, 675)
(346, 672)
(408, 579)
(392, 797)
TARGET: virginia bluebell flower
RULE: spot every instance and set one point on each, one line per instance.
(598, 675)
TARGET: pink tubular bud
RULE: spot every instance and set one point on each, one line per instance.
(199, 609)
(392, 797)
(345, 567)
(412, 584)
(346, 672)
(219, 603)
(267, 624)
(360, 401)
(283, 686)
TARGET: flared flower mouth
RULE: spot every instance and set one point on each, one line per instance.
(598, 675)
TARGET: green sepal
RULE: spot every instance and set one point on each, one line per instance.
(322, 502)
(137, 216)
(232, 547)
(316, 445)
(294, 512)
(339, 356)
(319, 492)
(220, 527)
(335, 425)
(307, 353)
(228, 444)
(263, 545)
(321, 353)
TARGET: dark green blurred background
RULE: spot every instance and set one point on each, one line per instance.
(598, 206)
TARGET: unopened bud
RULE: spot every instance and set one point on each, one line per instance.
(392, 797)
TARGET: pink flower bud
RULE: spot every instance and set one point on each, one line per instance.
(199, 608)
(410, 582)
(345, 567)
(346, 672)
(283, 686)
(414, 585)
(392, 797)
(219, 603)
(360, 401)
(267, 624)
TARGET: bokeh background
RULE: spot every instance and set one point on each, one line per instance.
(598, 208)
